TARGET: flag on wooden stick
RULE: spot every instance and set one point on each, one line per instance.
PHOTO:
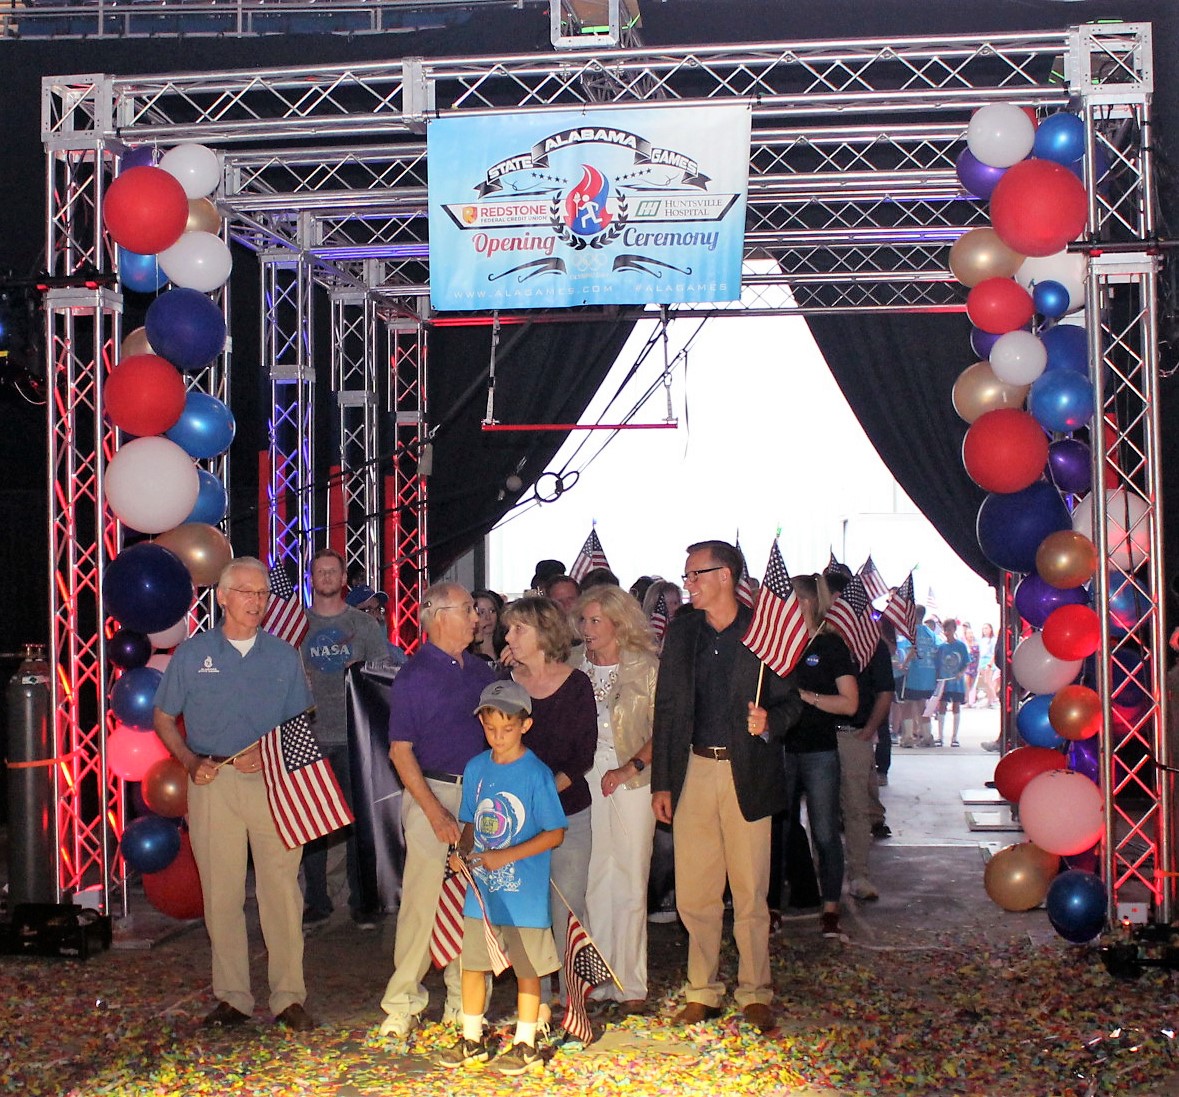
(301, 788)
(850, 616)
(901, 610)
(585, 968)
(591, 556)
(446, 941)
(744, 588)
(873, 581)
(777, 634)
(284, 616)
(659, 618)
(499, 958)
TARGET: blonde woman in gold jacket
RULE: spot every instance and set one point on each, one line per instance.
(621, 661)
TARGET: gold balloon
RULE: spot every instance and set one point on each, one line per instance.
(135, 343)
(202, 216)
(980, 254)
(978, 391)
(1075, 712)
(1017, 877)
(1066, 559)
(204, 549)
(165, 788)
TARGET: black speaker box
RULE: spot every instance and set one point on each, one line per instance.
(55, 929)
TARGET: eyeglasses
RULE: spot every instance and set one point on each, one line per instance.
(466, 607)
(692, 576)
(250, 593)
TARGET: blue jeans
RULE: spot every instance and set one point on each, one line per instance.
(816, 774)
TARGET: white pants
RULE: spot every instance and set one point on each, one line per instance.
(623, 827)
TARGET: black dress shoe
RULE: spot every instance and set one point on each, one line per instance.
(695, 1012)
(223, 1015)
(295, 1017)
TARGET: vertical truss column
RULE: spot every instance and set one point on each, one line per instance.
(1113, 75)
(354, 377)
(411, 468)
(81, 333)
(286, 349)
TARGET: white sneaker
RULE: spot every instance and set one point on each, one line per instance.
(399, 1024)
(992, 745)
(863, 888)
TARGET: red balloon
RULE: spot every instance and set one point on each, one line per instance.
(146, 210)
(1072, 632)
(1005, 450)
(1000, 305)
(1019, 766)
(144, 395)
(1038, 207)
(176, 890)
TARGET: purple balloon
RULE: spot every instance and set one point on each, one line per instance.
(1035, 599)
(981, 342)
(1084, 756)
(1070, 465)
(138, 157)
(977, 178)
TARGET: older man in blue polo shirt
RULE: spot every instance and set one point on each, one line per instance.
(433, 734)
(233, 684)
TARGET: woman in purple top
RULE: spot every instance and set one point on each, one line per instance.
(563, 735)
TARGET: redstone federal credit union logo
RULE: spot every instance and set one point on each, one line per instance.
(648, 198)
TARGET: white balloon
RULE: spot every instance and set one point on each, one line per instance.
(197, 168)
(1000, 135)
(1127, 535)
(1062, 812)
(1066, 267)
(1018, 357)
(1038, 670)
(170, 637)
(151, 484)
(198, 260)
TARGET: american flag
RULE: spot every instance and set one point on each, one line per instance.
(851, 617)
(591, 556)
(835, 567)
(446, 941)
(901, 609)
(495, 951)
(284, 616)
(585, 968)
(302, 790)
(931, 605)
(777, 634)
(658, 620)
(873, 581)
(744, 588)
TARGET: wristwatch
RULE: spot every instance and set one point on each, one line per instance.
(639, 764)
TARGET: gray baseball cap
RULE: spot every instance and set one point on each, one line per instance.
(507, 696)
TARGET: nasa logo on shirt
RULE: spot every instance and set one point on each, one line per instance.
(329, 650)
(812, 660)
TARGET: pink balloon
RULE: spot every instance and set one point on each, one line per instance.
(130, 753)
(1062, 812)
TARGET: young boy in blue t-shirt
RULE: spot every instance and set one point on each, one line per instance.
(512, 820)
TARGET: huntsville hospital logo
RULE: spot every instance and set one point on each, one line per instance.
(573, 193)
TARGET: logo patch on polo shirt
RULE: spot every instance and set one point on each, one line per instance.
(208, 667)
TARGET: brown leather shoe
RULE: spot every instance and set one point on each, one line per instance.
(695, 1012)
(632, 1007)
(295, 1017)
(760, 1016)
(223, 1015)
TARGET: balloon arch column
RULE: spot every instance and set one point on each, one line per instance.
(324, 178)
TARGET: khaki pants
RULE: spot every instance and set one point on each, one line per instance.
(857, 778)
(421, 885)
(713, 840)
(227, 818)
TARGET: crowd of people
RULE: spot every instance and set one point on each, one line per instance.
(586, 753)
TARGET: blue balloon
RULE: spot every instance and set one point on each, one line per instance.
(142, 156)
(212, 502)
(150, 844)
(1070, 465)
(1034, 725)
(147, 588)
(1050, 298)
(205, 428)
(133, 696)
(128, 649)
(1060, 137)
(1100, 162)
(1127, 607)
(1036, 598)
(1011, 526)
(141, 273)
(185, 327)
(1061, 400)
(1076, 905)
(1068, 348)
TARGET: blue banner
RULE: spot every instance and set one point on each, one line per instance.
(556, 208)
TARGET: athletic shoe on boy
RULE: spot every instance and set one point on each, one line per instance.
(518, 1059)
(464, 1053)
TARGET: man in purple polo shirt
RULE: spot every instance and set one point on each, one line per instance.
(433, 734)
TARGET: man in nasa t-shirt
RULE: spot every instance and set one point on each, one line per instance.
(337, 637)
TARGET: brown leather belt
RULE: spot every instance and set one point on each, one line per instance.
(717, 754)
